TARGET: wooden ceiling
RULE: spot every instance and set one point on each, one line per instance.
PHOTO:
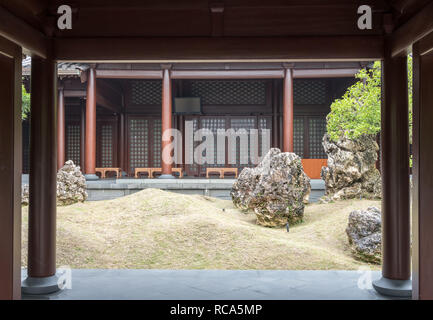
(200, 18)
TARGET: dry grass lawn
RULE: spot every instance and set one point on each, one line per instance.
(154, 229)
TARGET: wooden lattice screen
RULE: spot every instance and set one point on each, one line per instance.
(73, 142)
(107, 146)
(144, 142)
(309, 92)
(146, 92)
(317, 129)
(138, 143)
(298, 136)
(230, 92)
(191, 169)
(242, 151)
(213, 123)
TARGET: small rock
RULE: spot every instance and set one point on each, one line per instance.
(364, 234)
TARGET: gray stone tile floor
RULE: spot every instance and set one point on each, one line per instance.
(213, 285)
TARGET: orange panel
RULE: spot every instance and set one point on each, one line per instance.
(313, 167)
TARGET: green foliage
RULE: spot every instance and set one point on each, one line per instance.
(26, 103)
(358, 111)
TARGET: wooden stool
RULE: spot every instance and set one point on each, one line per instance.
(151, 171)
(221, 171)
(159, 170)
(103, 172)
(144, 170)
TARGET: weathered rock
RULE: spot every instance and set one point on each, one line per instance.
(71, 185)
(351, 171)
(275, 190)
(364, 233)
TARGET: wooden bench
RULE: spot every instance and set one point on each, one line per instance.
(143, 170)
(103, 172)
(150, 171)
(221, 171)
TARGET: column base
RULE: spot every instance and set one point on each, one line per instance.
(37, 286)
(166, 176)
(91, 177)
(393, 288)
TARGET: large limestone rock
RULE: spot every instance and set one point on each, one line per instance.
(71, 185)
(351, 171)
(364, 233)
(275, 190)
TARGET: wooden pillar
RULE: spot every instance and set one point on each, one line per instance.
(10, 170)
(61, 150)
(43, 170)
(82, 136)
(422, 195)
(288, 111)
(90, 150)
(166, 121)
(395, 179)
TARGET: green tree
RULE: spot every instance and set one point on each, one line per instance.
(25, 111)
(358, 111)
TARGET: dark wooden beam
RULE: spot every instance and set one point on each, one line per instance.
(228, 74)
(324, 73)
(217, 18)
(10, 171)
(19, 32)
(412, 31)
(74, 93)
(425, 45)
(129, 74)
(328, 48)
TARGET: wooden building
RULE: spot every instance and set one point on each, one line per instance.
(232, 95)
(171, 32)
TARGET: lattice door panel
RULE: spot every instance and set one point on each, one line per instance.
(146, 92)
(107, 146)
(230, 92)
(264, 123)
(309, 92)
(191, 169)
(317, 129)
(138, 141)
(155, 143)
(73, 143)
(213, 124)
(242, 151)
(298, 136)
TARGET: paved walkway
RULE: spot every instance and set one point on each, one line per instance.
(214, 285)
